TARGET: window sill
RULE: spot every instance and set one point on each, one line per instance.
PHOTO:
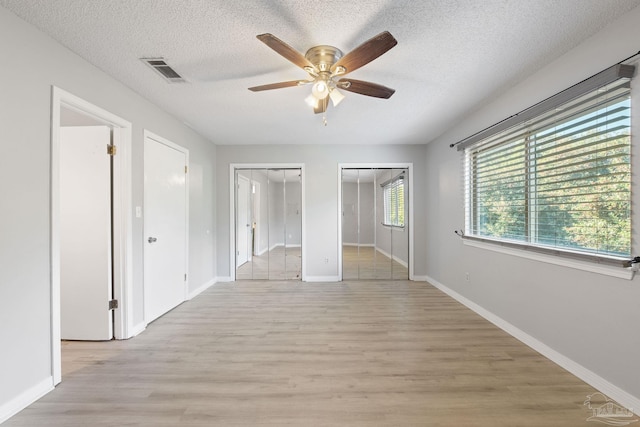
(395, 227)
(607, 270)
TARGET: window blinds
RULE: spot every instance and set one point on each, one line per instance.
(560, 179)
(393, 194)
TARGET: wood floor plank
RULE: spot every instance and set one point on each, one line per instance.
(356, 353)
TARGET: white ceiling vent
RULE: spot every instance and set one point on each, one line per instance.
(162, 68)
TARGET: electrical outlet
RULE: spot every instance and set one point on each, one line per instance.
(326, 260)
(467, 277)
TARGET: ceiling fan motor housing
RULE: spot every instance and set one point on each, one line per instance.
(323, 57)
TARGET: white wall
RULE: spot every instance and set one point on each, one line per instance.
(25, 111)
(589, 318)
(321, 193)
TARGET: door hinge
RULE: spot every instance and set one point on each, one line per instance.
(185, 277)
(113, 304)
(111, 149)
(186, 169)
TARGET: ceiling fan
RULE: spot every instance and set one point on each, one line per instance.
(326, 66)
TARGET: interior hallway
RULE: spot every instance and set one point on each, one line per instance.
(385, 353)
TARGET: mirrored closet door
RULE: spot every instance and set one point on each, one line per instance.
(375, 242)
(268, 218)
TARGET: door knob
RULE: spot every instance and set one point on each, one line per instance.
(152, 239)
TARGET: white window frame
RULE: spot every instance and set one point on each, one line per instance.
(393, 186)
(603, 264)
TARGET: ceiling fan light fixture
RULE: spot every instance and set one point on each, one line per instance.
(326, 65)
(311, 101)
(320, 89)
(336, 96)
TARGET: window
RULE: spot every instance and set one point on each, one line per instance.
(393, 193)
(561, 179)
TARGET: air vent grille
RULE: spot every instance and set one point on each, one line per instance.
(164, 69)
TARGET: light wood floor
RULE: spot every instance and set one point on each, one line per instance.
(371, 353)
(365, 262)
(279, 263)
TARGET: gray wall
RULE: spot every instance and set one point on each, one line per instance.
(321, 192)
(25, 111)
(590, 318)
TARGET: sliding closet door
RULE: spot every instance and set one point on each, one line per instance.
(350, 225)
(399, 204)
(374, 224)
(293, 224)
(260, 224)
(275, 201)
(268, 224)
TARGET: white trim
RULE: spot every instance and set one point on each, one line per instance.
(138, 329)
(361, 245)
(147, 134)
(232, 204)
(409, 168)
(607, 270)
(421, 278)
(201, 289)
(611, 390)
(394, 257)
(323, 279)
(24, 399)
(122, 219)
(225, 279)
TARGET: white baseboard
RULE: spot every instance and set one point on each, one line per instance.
(322, 279)
(420, 278)
(25, 399)
(395, 258)
(362, 245)
(138, 329)
(611, 390)
(201, 289)
(224, 279)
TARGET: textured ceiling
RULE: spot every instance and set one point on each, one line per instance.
(452, 55)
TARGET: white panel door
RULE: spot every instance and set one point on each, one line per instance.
(85, 234)
(165, 225)
(243, 221)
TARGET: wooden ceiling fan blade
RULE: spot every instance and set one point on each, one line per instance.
(285, 50)
(366, 52)
(279, 85)
(366, 88)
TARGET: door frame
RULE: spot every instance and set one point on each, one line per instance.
(122, 219)
(409, 168)
(157, 138)
(232, 206)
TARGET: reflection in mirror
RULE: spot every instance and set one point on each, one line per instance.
(350, 225)
(293, 224)
(243, 225)
(275, 178)
(268, 224)
(374, 232)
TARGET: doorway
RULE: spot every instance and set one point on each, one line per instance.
(268, 222)
(375, 222)
(70, 110)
